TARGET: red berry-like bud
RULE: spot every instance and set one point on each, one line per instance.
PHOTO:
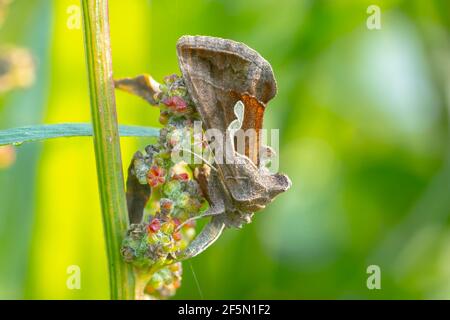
(177, 284)
(176, 221)
(175, 103)
(166, 205)
(176, 236)
(189, 224)
(181, 176)
(154, 226)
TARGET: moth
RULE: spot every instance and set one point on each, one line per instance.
(230, 85)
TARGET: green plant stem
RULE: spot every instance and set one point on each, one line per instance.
(142, 277)
(106, 143)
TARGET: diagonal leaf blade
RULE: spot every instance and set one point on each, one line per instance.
(17, 136)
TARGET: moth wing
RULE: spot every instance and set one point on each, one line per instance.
(218, 73)
(137, 194)
(253, 119)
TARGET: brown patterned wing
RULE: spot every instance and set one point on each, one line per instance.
(137, 194)
(220, 72)
(253, 119)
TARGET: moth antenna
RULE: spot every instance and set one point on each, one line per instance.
(189, 220)
(200, 157)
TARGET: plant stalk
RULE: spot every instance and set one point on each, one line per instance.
(106, 143)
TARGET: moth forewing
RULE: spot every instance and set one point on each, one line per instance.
(232, 63)
(218, 73)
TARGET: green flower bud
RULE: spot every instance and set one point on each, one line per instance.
(183, 200)
(172, 189)
(156, 281)
(168, 227)
(141, 167)
(152, 238)
(189, 233)
(165, 240)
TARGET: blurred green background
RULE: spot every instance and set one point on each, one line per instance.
(363, 116)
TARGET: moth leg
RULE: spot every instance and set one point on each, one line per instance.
(143, 86)
(209, 234)
(212, 211)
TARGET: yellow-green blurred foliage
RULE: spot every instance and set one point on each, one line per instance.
(363, 116)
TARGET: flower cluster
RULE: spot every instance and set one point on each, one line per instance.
(164, 283)
(168, 223)
(156, 242)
